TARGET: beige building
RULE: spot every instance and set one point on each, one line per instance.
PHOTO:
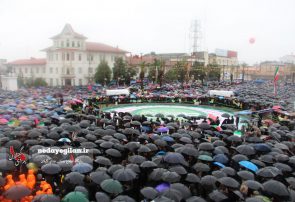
(71, 60)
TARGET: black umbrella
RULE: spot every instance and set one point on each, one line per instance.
(84, 159)
(137, 159)
(246, 150)
(208, 180)
(132, 146)
(66, 165)
(276, 188)
(229, 171)
(217, 196)
(246, 175)
(99, 176)
(124, 174)
(156, 174)
(239, 157)
(6, 165)
(103, 161)
(148, 164)
(114, 168)
(149, 192)
(173, 194)
(100, 196)
(16, 192)
(195, 199)
(113, 153)
(234, 138)
(204, 126)
(174, 158)
(268, 172)
(46, 198)
(219, 174)
(206, 146)
(51, 168)
(170, 177)
(75, 178)
(122, 198)
(225, 115)
(144, 149)
(229, 182)
(192, 178)
(254, 185)
(161, 143)
(178, 169)
(106, 145)
(201, 167)
(185, 191)
(283, 167)
(120, 136)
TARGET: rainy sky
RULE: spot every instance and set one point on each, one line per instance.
(142, 26)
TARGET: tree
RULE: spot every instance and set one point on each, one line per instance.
(20, 81)
(103, 73)
(40, 82)
(130, 72)
(198, 71)
(161, 72)
(214, 72)
(141, 74)
(171, 75)
(119, 70)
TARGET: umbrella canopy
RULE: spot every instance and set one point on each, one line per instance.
(276, 188)
(249, 165)
(245, 150)
(46, 198)
(174, 158)
(170, 177)
(201, 167)
(75, 178)
(124, 174)
(51, 168)
(254, 185)
(99, 176)
(75, 196)
(124, 198)
(100, 196)
(82, 168)
(217, 196)
(17, 192)
(246, 175)
(229, 182)
(113, 153)
(111, 186)
(149, 192)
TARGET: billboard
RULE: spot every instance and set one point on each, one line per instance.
(232, 54)
(221, 52)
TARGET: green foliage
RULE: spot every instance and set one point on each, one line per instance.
(130, 72)
(198, 72)
(119, 70)
(40, 82)
(171, 75)
(103, 71)
(214, 72)
(20, 81)
(141, 74)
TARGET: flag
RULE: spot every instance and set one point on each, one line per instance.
(275, 80)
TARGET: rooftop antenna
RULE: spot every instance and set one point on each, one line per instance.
(195, 36)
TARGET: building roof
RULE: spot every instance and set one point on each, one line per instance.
(136, 60)
(68, 30)
(31, 61)
(100, 47)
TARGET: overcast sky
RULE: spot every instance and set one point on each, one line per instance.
(142, 26)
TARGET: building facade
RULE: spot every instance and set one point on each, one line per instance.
(71, 60)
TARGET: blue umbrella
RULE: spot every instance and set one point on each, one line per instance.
(219, 164)
(167, 139)
(162, 187)
(221, 158)
(146, 129)
(249, 165)
(163, 130)
(64, 140)
(82, 168)
(160, 153)
(262, 147)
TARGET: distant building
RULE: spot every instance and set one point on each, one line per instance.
(3, 66)
(288, 59)
(71, 60)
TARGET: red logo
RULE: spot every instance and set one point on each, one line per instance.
(17, 157)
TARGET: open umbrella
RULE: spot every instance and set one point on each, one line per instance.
(17, 192)
(246, 175)
(245, 150)
(51, 168)
(170, 177)
(249, 165)
(254, 185)
(201, 167)
(124, 174)
(82, 168)
(229, 182)
(75, 196)
(122, 198)
(149, 192)
(111, 186)
(75, 178)
(156, 174)
(217, 196)
(46, 198)
(99, 176)
(174, 158)
(276, 188)
(172, 194)
(100, 196)
(185, 191)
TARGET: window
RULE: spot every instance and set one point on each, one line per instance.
(80, 82)
(102, 57)
(51, 82)
(62, 43)
(68, 56)
(80, 70)
(26, 70)
(63, 56)
(51, 70)
(68, 43)
(90, 70)
(57, 82)
(73, 43)
(80, 57)
(56, 56)
(79, 44)
(68, 71)
(56, 70)
(72, 56)
(63, 70)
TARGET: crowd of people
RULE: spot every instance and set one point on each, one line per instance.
(61, 146)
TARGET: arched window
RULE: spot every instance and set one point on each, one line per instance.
(68, 43)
